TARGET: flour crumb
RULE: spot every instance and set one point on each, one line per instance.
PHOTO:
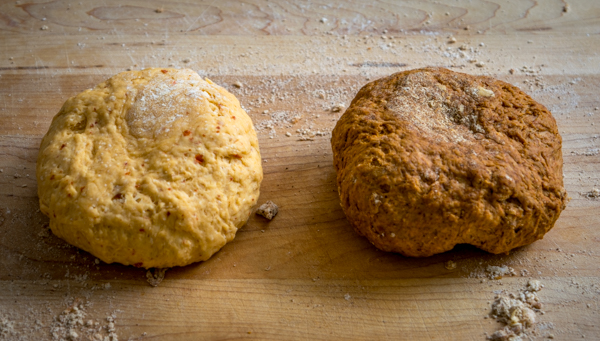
(480, 64)
(159, 10)
(238, 84)
(450, 265)
(338, 107)
(517, 312)
(44, 28)
(268, 210)
(534, 285)
(155, 276)
(593, 194)
(347, 297)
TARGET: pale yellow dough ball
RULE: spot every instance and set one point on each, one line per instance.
(152, 168)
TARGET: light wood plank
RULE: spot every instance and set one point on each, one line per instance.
(306, 275)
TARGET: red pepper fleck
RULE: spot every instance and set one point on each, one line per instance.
(52, 177)
(92, 125)
(164, 71)
(168, 213)
(230, 179)
(186, 133)
(118, 196)
(142, 230)
(81, 190)
(233, 117)
(127, 173)
(199, 158)
(61, 147)
(138, 265)
(237, 156)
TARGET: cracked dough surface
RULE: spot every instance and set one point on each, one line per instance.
(430, 158)
(152, 168)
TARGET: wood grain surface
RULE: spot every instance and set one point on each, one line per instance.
(306, 275)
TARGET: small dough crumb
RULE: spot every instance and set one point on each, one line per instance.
(338, 107)
(155, 275)
(268, 210)
(450, 265)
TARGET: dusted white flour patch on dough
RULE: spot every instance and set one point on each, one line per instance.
(153, 168)
(167, 98)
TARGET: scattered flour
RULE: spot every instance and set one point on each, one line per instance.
(71, 324)
(497, 272)
(7, 328)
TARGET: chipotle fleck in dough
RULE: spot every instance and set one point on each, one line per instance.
(430, 158)
(152, 168)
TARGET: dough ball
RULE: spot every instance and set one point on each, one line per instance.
(430, 158)
(152, 168)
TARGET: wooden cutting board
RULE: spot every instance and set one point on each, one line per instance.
(306, 275)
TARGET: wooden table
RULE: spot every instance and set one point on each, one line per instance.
(305, 275)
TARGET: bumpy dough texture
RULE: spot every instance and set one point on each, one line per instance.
(152, 168)
(430, 158)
